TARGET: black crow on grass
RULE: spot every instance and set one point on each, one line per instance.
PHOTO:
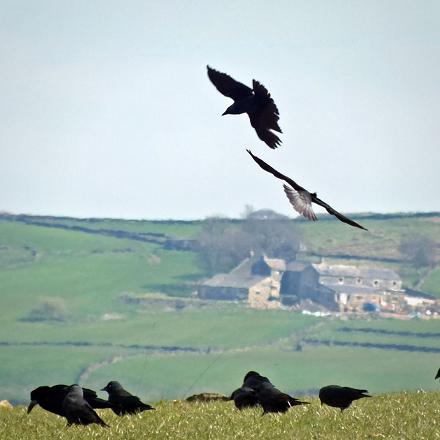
(267, 395)
(77, 410)
(256, 102)
(274, 400)
(51, 399)
(245, 397)
(124, 402)
(340, 397)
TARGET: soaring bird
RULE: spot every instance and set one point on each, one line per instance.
(300, 198)
(51, 399)
(255, 101)
(124, 402)
(340, 397)
(438, 374)
(77, 410)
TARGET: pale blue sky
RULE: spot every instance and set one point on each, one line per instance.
(106, 109)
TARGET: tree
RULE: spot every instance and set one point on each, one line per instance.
(419, 249)
(49, 309)
(224, 243)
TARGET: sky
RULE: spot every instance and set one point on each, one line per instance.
(106, 109)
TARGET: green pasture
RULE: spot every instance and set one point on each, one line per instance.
(384, 416)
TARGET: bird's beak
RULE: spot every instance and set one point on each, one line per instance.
(31, 405)
(104, 389)
(225, 113)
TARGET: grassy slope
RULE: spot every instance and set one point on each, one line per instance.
(88, 271)
(393, 416)
(432, 283)
(164, 376)
(91, 271)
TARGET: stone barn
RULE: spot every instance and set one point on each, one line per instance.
(251, 281)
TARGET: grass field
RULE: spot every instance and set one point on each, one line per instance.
(387, 416)
(89, 273)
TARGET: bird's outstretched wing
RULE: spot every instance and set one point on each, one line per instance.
(228, 86)
(337, 214)
(270, 115)
(267, 136)
(300, 190)
(301, 201)
(274, 172)
(265, 116)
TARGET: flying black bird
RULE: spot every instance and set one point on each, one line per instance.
(124, 402)
(77, 410)
(300, 198)
(438, 374)
(340, 397)
(51, 399)
(256, 102)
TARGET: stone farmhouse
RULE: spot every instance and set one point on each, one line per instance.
(269, 283)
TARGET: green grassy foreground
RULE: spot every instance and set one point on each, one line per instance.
(389, 416)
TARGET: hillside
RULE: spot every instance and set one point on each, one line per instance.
(408, 415)
(65, 316)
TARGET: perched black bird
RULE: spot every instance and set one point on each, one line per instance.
(273, 400)
(51, 399)
(269, 397)
(77, 410)
(340, 397)
(252, 379)
(300, 198)
(124, 402)
(245, 397)
(256, 102)
(438, 374)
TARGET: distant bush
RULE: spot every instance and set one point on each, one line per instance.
(223, 244)
(49, 309)
(420, 250)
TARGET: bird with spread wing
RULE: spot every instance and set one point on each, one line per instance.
(255, 101)
(300, 198)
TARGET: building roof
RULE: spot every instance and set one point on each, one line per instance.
(342, 270)
(239, 277)
(355, 290)
(419, 294)
(297, 266)
(379, 274)
(233, 280)
(275, 263)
